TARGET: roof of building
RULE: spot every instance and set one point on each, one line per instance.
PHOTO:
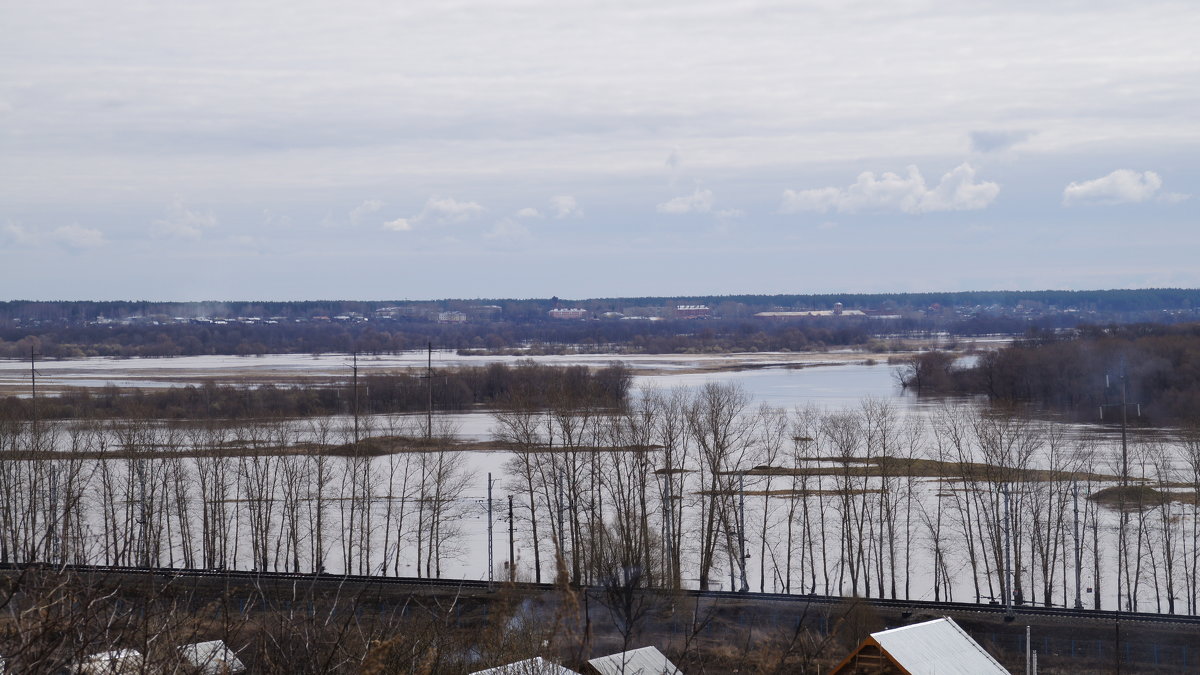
(938, 647)
(644, 661)
(212, 657)
(535, 666)
(810, 312)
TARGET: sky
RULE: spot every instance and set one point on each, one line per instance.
(529, 148)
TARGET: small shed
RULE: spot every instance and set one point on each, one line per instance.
(644, 661)
(535, 666)
(938, 647)
(213, 657)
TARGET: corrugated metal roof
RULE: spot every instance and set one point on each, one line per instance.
(535, 666)
(644, 661)
(937, 647)
(212, 657)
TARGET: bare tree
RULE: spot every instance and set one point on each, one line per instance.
(717, 424)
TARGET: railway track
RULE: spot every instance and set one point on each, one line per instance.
(460, 584)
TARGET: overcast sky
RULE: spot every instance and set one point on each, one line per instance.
(303, 150)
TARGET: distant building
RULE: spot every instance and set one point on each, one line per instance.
(811, 313)
(452, 317)
(212, 658)
(937, 647)
(646, 660)
(692, 312)
(535, 666)
(568, 314)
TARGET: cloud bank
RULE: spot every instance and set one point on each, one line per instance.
(957, 191)
(183, 222)
(565, 206)
(1122, 186)
(437, 211)
(700, 201)
(73, 236)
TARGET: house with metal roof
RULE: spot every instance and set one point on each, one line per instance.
(213, 657)
(938, 647)
(535, 666)
(644, 661)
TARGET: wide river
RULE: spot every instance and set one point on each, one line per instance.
(829, 380)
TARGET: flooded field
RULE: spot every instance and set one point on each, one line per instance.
(842, 483)
(295, 368)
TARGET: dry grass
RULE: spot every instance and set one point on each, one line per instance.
(892, 467)
(1130, 497)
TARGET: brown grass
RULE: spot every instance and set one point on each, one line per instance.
(892, 467)
(1131, 497)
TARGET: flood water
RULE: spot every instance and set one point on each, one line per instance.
(838, 382)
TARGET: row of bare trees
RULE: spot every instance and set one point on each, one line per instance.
(683, 487)
(694, 487)
(267, 496)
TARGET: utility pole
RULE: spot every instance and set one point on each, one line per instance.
(669, 524)
(512, 547)
(1008, 569)
(33, 392)
(491, 563)
(745, 588)
(143, 515)
(429, 391)
(1124, 516)
(354, 369)
(1078, 549)
(1027, 647)
(52, 525)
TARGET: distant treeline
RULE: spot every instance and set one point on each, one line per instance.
(543, 337)
(521, 310)
(145, 329)
(675, 336)
(495, 386)
(1080, 372)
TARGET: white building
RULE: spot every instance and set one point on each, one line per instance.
(938, 647)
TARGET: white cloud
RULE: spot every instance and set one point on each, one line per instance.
(565, 206)
(1120, 187)
(730, 214)
(360, 212)
(437, 211)
(957, 191)
(529, 212)
(398, 225)
(508, 229)
(183, 222)
(447, 210)
(78, 237)
(700, 201)
(16, 235)
(73, 236)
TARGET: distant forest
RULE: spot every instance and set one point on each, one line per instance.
(534, 309)
(546, 337)
(1079, 372)
(146, 329)
(524, 385)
